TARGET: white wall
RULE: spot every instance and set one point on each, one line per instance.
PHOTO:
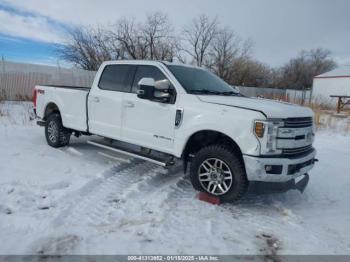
(324, 87)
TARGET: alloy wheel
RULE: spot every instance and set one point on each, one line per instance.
(215, 176)
(52, 131)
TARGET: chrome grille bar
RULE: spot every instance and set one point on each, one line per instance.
(298, 122)
(296, 151)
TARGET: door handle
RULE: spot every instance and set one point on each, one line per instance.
(96, 99)
(129, 104)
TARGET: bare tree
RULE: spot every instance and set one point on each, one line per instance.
(87, 48)
(225, 49)
(219, 49)
(128, 37)
(152, 39)
(157, 32)
(248, 72)
(199, 36)
(299, 72)
(321, 61)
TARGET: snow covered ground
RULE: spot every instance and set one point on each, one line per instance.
(75, 201)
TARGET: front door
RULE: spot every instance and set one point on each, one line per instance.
(148, 123)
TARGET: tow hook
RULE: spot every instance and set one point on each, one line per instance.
(301, 185)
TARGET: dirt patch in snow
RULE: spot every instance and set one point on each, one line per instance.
(271, 245)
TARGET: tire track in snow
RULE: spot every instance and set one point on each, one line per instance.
(125, 196)
(91, 201)
(147, 209)
(90, 204)
(140, 202)
(128, 200)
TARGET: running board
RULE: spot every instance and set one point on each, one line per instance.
(132, 154)
(119, 159)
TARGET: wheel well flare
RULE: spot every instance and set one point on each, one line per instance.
(208, 137)
(51, 108)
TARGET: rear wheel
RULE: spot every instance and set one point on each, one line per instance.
(218, 171)
(56, 134)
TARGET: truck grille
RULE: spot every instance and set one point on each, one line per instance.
(297, 151)
(298, 122)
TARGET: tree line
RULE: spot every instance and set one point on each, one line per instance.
(202, 42)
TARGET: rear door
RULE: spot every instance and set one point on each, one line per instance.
(148, 123)
(106, 100)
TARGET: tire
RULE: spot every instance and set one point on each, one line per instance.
(56, 134)
(217, 163)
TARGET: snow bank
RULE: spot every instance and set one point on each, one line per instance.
(75, 201)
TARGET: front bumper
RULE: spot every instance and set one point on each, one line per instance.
(259, 187)
(291, 167)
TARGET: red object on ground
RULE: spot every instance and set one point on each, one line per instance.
(203, 196)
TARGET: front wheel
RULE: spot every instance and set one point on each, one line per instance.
(217, 170)
(56, 134)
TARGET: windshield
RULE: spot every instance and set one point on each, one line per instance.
(200, 81)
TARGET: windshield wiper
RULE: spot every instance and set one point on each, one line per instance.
(230, 93)
(205, 91)
(212, 92)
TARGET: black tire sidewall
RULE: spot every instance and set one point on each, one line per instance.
(239, 182)
(63, 134)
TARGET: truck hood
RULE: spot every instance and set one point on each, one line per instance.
(270, 108)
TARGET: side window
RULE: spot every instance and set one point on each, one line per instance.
(116, 78)
(146, 71)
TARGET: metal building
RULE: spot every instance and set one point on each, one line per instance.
(335, 82)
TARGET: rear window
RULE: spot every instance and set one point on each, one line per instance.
(116, 78)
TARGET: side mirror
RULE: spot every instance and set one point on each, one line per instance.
(146, 88)
(162, 84)
(162, 89)
(154, 90)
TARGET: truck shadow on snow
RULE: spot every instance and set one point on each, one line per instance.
(256, 194)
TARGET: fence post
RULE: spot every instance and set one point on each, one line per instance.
(2, 78)
(310, 96)
(3, 64)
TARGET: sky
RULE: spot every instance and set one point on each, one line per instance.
(279, 29)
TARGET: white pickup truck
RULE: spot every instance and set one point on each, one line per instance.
(168, 112)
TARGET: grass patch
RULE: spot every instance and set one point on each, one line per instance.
(20, 97)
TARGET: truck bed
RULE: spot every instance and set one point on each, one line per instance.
(71, 100)
(83, 88)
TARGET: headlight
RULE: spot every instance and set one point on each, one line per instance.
(266, 131)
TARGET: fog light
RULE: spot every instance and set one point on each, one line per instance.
(268, 168)
(274, 169)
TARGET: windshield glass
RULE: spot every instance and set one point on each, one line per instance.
(200, 81)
